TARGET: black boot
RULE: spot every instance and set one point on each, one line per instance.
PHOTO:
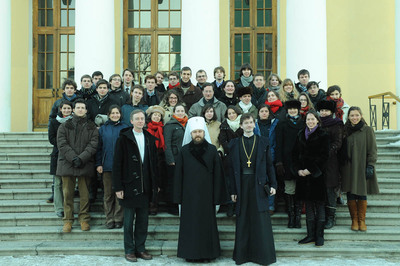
(297, 211)
(290, 207)
(319, 233)
(330, 217)
(231, 209)
(310, 238)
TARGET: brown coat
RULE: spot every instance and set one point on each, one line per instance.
(192, 95)
(213, 130)
(362, 151)
(78, 137)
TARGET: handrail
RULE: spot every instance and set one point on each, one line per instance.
(385, 108)
(388, 93)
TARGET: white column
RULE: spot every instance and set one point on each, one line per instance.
(397, 56)
(94, 38)
(306, 39)
(5, 65)
(200, 36)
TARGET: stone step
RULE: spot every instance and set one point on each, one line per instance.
(387, 164)
(381, 140)
(25, 165)
(388, 148)
(25, 174)
(24, 141)
(386, 194)
(388, 156)
(5, 148)
(331, 249)
(18, 135)
(170, 232)
(98, 219)
(389, 183)
(25, 156)
(387, 132)
(388, 173)
(25, 183)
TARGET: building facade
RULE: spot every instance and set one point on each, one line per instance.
(351, 43)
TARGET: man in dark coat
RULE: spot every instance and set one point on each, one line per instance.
(199, 185)
(190, 94)
(151, 96)
(77, 141)
(252, 178)
(134, 183)
(99, 105)
(69, 94)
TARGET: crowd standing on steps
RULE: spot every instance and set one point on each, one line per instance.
(237, 146)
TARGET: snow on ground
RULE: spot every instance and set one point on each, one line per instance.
(164, 260)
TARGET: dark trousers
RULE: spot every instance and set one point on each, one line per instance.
(315, 211)
(331, 197)
(135, 241)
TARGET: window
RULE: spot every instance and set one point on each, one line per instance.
(152, 36)
(53, 53)
(253, 35)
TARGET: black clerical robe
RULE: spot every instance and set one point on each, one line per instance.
(199, 185)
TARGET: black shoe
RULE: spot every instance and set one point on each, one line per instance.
(110, 225)
(340, 200)
(231, 210)
(118, 225)
(319, 234)
(50, 199)
(60, 214)
(330, 217)
(310, 238)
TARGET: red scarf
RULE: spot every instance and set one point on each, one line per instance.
(173, 87)
(304, 111)
(156, 129)
(339, 104)
(275, 105)
(182, 121)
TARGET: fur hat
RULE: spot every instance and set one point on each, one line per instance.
(292, 104)
(328, 105)
(244, 90)
(155, 108)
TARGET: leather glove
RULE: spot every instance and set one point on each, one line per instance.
(280, 169)
(369, 172)
(77, 162)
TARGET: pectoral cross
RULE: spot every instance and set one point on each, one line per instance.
(248, 163)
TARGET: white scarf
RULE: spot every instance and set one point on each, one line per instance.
(235, 124)
(245, 107)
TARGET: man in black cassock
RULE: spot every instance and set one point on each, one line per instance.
(199, 185)
(252, 177)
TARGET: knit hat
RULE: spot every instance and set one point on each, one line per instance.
(293, 104)
(328, 105)
(154, 109)
(244, 90)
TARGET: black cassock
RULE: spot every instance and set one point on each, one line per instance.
(199, 185)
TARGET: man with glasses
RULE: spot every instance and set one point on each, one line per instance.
(201, 77)
(116, 92)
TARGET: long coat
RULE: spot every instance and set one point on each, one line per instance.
(213, 128)
(128, 175)
(311, 154)
(286, 135)
(265, 172)
(95, 107)
(192, 95)
(199, 186)
(362, 151)
(226, 134)
(271, 134)
(108, 135)
(173, 137)
(332, 171)
(78, 137)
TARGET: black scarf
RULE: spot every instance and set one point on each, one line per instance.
(198, 150)
(185, 85)
(211, 101)
(100, 100)
(265, 122)
(328, 121)
(351, 129)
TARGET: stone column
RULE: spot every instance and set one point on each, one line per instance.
(5, 65)
(94, 38)
(397, 57)
(306, 46)
(200, 36)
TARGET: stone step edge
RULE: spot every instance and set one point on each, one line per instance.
(363, 249)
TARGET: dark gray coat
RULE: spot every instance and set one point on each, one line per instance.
(173, 137)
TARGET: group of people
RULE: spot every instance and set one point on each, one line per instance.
(229, 145)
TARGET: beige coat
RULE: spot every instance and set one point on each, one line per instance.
(362, 151)
(213, 129)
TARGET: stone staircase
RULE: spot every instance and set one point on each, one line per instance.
(29, 226)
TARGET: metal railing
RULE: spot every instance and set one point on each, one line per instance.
(385, 109)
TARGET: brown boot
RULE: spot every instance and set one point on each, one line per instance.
(67, 227)
(85, 226)
(352, 204)
(362, 210)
